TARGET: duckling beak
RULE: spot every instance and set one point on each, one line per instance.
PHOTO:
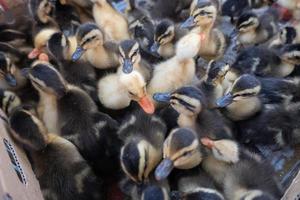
(127, 66)
(208, 143)
(225, 100)
(189, 23)
(154, 48)
(34, 53)
(164, 169)
(162, 97)
(147, 105)
(77, 54)
(121, 6)
(11, 80)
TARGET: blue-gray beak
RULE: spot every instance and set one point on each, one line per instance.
(164, 169)
(189, 23)
(225, 100)
(127, 66)
(77, 54)
(155, 47)
(162, 97)
(11, 80)
(121, 6)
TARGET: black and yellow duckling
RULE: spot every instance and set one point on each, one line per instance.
(66, 175)
(92, 44)
(212, 42)
(80, 73)
(143, 136)
(264, 62)
(182, 150)
(130, 59)
(229, 163)
(106, 17)
(191, 104)
(116, 91)
(234, 8)
(287, 35)
(195, 184)
(255, 29)
(212, 83)
(71, 113)
(10, 75)
(166, 36)
(9, 101)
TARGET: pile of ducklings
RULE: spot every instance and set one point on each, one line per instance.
(156, 99)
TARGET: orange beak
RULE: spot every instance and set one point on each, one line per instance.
(43, 57)
(34, 53)
(147, 105)
(208, 142)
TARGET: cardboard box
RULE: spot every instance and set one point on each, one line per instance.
(17, 180)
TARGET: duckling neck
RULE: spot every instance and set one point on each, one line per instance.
(185, 121)
(48, 112)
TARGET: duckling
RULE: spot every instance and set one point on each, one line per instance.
(182, 150)
(212, 84)
(254, 29)
(80, 74)
(143, 136)
(291, 5)
(182, 67)
(66, 175)
(166, 36)
(130, 59)
(240, 184)
(190, 103)
(10, 74)
(287, 35)
(8, 101)
(202, 19)
(226, 165)
(264, 62)
(91, 41)
(195, 184)
(71, 113)
(106, 17)
(116, 91)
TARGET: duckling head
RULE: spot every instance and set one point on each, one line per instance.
(135, 84)
(248, 21)
(57, 45)
(40, 42)
(223, 150)
(28, 130)
(257, 195)
(181, 150)
(245, 87)
(8, 101)
(135, 159)
(42, 10)
(7, 70)
(46, 79)
(203, 14)
(288, 35)
(155, 192)
(164, 33)
(216, 72)
(188, 101)
(129, 55)
(291, 53)
(89, 36)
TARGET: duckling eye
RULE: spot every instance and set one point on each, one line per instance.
(131, 93)
(186, 154)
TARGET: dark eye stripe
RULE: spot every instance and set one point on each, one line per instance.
(185, 104)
